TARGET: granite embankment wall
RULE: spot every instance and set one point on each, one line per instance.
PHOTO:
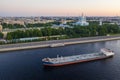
(43, 44)
(94, 40)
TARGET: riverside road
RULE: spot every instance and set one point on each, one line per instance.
(29, 45)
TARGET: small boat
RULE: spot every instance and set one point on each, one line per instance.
(61, 61)
(57, 45)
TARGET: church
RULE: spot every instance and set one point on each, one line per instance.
(82, 21)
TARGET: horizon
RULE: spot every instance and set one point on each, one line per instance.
(57, 16)
(19, 8)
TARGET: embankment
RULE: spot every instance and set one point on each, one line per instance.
(43, 44)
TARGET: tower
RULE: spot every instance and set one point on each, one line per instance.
(83, 18)
(65, 21)
(100, 22)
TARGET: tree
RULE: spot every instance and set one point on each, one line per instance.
(102, 31)
(47, 31)
(9, 36)
(1, 35)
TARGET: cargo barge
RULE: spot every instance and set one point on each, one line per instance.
(61, 61)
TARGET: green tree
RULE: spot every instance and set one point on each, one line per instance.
(9, 36)
(1, 35)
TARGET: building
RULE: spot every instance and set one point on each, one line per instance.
(82, 21)
(100, 22)
(62, 25)
(1, 28)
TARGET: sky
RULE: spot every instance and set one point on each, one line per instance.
(59, 7)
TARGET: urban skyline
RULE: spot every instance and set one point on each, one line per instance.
(59, 7)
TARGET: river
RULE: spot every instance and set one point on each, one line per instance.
(27, 64)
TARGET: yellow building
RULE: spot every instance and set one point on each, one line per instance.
(0, 28)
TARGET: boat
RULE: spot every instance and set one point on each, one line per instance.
(57, 45)
(61, 61)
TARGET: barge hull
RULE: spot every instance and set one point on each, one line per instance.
(79, 61)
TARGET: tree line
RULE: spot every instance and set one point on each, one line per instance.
(76, 31)
(38, 25)
(15, 26)
(47, 31)
(12, 26)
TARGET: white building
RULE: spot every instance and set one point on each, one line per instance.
(100, 22)
(82, 21)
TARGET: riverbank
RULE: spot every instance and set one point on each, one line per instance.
(43, 44)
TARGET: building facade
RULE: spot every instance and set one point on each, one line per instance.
(1, 28)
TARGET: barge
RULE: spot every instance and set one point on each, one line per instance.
(61, 61)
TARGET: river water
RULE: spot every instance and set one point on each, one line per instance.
(27, 64)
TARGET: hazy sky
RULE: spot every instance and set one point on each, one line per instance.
(59, 7)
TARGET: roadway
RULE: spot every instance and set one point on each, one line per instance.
(48, 43)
